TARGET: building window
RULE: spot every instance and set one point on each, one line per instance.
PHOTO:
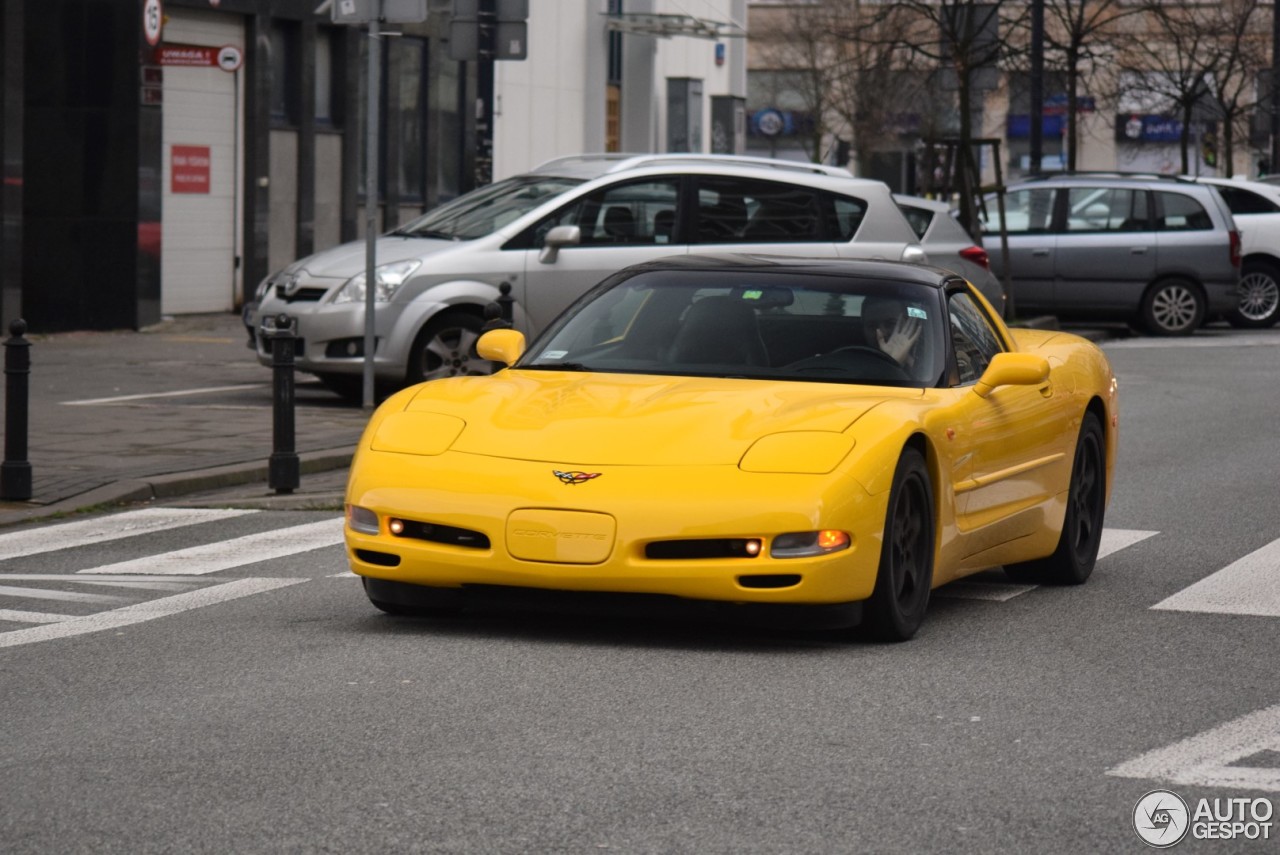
(326, 104)
(284, 74)
(409, 64)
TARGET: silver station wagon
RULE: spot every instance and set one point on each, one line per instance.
(551, 234)
(1162, 253)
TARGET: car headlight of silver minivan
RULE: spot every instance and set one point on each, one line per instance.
(388, 279)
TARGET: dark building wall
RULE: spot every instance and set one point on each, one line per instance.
(11, 123)
(83, 168)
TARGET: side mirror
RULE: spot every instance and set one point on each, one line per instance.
(913, 253)
(1012, 369)
(555, 239)
(505, 346)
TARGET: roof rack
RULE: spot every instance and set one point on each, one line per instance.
(1104, 173)
(623, 162)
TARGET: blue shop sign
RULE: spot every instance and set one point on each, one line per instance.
(1018, 127)
(1137, 127)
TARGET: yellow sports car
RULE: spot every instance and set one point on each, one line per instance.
(833, 438)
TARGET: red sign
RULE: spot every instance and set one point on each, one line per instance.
(189, 169)
(191, 55)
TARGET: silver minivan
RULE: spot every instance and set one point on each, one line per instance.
(551, 234)
(1159, 252)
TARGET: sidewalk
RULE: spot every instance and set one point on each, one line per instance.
(177, 410)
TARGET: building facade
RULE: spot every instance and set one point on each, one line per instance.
(163, 156)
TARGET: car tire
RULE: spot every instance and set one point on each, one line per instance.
(1072, 561)
(398, 598)
(1173, 307)
(1259, 305)
(446, 347)
(897, 605)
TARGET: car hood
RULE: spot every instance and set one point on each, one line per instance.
(348, 259)
(567, 418)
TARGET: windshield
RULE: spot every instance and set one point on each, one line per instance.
(487, 209)
(802, 326)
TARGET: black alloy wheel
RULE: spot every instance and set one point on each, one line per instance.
(1077, 552)
(897, 605)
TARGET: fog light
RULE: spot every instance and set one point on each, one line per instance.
(802, 544)
(362, 520)
(395, 526)
(753, 547)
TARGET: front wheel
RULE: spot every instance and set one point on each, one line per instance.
(1072, 562)
(1173, 307)
(897, 605)
(446, 347)
(1259, 305)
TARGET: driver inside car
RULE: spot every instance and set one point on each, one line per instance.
(889, 326)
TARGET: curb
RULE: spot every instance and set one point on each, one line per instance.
(179, 484)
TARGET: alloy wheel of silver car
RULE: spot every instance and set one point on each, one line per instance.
(446, 348)
(1174, 308)
(1259, 297)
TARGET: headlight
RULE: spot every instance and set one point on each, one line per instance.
(362, 520)
(389, 278)
(805, 544)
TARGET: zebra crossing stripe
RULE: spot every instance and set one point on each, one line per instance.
(140, 612)
(102, 529)
(1250, 586)
(65, 596)
(1113, 540)
(16, 616)
(226, 554)
(1207, 758)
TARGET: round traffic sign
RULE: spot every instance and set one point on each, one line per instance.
(229, 57)
(152, 20)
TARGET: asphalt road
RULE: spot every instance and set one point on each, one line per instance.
(266, 707)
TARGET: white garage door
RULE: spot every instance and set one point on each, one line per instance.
(201, 138)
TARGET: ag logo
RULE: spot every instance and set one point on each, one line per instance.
(1161, 818)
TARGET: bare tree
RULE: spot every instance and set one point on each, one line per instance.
(1079, 36)
(1241, 27)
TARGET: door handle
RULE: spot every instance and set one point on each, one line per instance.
(1138, 250)
(1040, 252)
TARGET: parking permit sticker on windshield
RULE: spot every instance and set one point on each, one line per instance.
(913, 312)
(554, 354)
(752, 295)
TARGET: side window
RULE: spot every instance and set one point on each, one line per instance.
(1246, 201)
(972, 336)
(848, 216)
(918, 218)
(1106, 209)
(635, 214)
(735, 210)
(1025, 212)
(1180, 213)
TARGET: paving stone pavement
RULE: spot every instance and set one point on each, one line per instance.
(179, 409)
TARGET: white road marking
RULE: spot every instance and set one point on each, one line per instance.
(1113, 540)
(1250, 586)
(66, 596)
(176, 394)
(155, 583)
(226, 554)
(102, 529)
(1205, 759)
(139, 612)
(345, 574)
(1116, 539)
(16, 616)
(991, 591)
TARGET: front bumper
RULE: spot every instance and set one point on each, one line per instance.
(330, 338)
(502, 501)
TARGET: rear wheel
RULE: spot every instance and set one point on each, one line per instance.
(1259, 305)
(897, 605)
(1173, 307)
(1072, 562)
(446, 347)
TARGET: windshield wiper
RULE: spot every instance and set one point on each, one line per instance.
(560, 366)
(425, 234)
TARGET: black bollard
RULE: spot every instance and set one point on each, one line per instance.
(282, 468)
(15, 471)
(505, 300)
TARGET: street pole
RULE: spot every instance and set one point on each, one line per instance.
(1037, 86)
(1274, 165)
(487, 24)
(371, 200)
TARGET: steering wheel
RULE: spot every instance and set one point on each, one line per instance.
(862, 348)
